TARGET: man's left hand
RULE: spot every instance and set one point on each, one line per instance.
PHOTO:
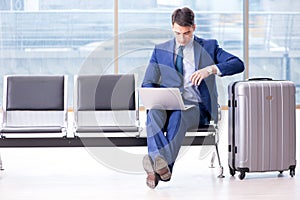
(201, 74)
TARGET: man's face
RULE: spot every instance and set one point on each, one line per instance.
(183, 34)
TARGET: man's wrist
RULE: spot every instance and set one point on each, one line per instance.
(210, 69)
(213, 69)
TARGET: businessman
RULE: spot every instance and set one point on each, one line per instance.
(189, 63)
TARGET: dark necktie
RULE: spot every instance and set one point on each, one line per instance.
(179, 60)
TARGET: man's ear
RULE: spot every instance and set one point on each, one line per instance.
(194, 27)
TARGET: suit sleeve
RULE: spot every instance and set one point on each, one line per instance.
(152, 74)
(227, 63)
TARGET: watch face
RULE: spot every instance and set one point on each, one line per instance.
(209, 70)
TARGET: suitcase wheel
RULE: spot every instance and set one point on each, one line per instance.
(231, 171)
(242, 175)
(292, 172)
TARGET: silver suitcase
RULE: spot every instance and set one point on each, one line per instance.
(262, 126)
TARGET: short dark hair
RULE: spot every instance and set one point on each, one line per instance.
(183, 17)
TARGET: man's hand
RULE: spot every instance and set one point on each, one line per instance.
(201, 74)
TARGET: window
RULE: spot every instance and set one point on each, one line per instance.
(53, 37)
(274, 40)
(142, 24)
(118, 36)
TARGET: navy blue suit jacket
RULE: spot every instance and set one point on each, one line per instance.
(161, 70)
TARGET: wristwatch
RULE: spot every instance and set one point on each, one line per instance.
(209, 69)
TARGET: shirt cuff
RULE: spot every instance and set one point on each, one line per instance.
(218, 71)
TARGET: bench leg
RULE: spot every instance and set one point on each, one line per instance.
(1, 168)
(220, 165)
(212, 160)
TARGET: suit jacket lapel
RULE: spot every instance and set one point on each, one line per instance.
(197, 53)
(172, 49)
(168, 53)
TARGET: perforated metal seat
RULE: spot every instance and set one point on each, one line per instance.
(34, 104)
(105, 104)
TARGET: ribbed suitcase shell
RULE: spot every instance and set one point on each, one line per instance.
(262, 126)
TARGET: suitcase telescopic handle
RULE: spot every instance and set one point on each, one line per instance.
(260, 79)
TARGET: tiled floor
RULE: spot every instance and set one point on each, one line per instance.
(116, 173)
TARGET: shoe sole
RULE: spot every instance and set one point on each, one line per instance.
(152, 179)
(161, 167)
(147, 164)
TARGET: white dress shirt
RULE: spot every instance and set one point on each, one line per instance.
(190, 91)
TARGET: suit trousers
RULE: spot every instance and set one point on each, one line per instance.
(166, 130)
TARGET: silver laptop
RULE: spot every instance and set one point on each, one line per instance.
(162, 98)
